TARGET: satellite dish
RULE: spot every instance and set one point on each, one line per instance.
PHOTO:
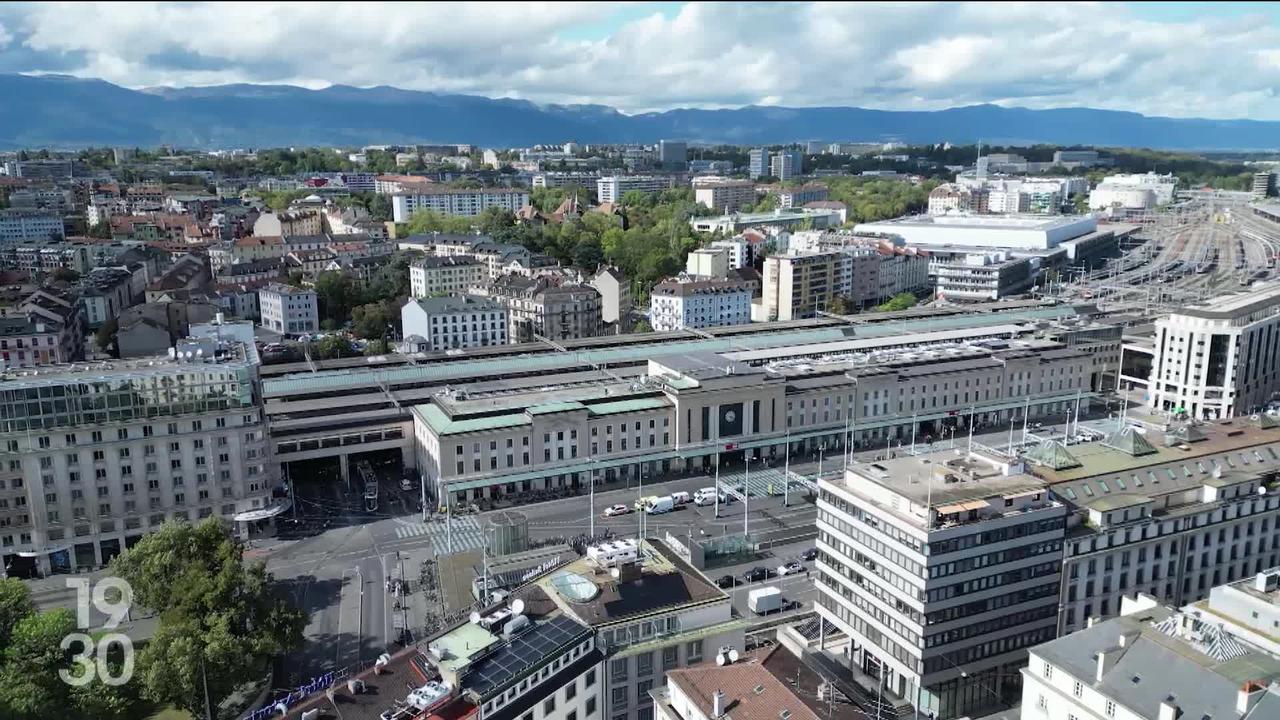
(475, 618)
(517, 606)
(733, 655)
(721, 659)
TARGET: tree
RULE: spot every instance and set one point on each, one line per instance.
(29, 681)
(335, 294)
(66, 275)
(371, 320)
(15, 604)
(332, 347)
(377, 347)
(100, 230)
(494, 219)
(901, 301)
(219, 620)
(839, 305)
(642, 326)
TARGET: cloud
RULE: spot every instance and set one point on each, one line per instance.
(638, 58)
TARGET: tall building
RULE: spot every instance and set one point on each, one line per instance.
(17, 225)
(1220, 358)
(442, 275)
(942, 570)
(672, 155)
(758, 163)
(615, 294)
(455, 201)
(861, 271)
(800, 196)
(538, 308)
(1264, 184)
(685, 302)
(98, 455)
(611, 189)
(786, 164)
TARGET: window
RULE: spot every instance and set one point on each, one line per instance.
(549, 705)
(1048, 671)
(669, 657)
(618, 670)
(644, 664)
(570, 691)
(1042, 704)
(591, 706)
(1111, 709)
(693, 654)
(591, 679)
(642, 692)
(1077, 689)
(619, 698)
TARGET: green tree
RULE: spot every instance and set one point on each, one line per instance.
(15, 604)
(29, 682)
(332, 347)
(642, 326)
(66, 275)
(377, 347)
(494, 219)
(335, 294)
(219, 620)
(371, 320)
(901, 301)
(839, 305)
(100, 230)
(105, 337)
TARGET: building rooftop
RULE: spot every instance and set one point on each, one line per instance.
(947, 477)
(457, 303)
(751, 691)
(995, 223)
(1235, 304)
(282, 289)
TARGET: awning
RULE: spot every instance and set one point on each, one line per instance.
(1024, 493)
(261, 513)
(961, 507)
(42, 551)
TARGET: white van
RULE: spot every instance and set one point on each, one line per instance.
(705, 496)
(660, 505)
(680, 498)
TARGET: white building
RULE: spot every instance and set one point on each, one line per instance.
(435, 275)
(682, 302)
(18, 225)
(757, 163)
(584, 179)
(708, 262)
(175, 439)
(1113, 198)
(615, 294)
(1220, 358)
(455, 201)
(942, 570)
(458, 322)
(611, 189)
(800, 196)
(1151, 664)
(1163, 186)
(738, 248)
(288, 310)
(724, 194)
(786, 164)
(1037, 233)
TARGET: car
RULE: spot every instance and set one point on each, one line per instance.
(809, 555)
(755, 574)
(613, 510)
(725, 582)
(789, 605)
(791, 568)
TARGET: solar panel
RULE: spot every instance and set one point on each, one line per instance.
(543, 640)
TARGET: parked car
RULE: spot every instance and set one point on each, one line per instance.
(755, 574)
(789, 605)
(725, 582)
(790, 568)
(613, 510)
(809, 555)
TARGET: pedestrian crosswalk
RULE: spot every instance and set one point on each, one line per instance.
(466, 534)
(762, 482)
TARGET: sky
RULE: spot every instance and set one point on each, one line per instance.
(1216, 60)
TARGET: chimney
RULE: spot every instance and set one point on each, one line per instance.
(1168, 710)
(1106, 662)
(717, 705)
(1248, 695)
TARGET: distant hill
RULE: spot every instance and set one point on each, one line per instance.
(60, 111)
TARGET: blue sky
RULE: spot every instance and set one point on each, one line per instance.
(1179, 59)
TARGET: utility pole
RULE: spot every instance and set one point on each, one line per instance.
(746, 491)
(786, 473)
(422, 483)
(591, 494)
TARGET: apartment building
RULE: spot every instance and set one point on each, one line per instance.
(106, 292)
(786, 164)
(455, 201)
(723, 194)
(59, 309)
(757, 163)
(1220, 358)
(799, 285)
(444, 275)
(539, 308)
(47, 256)
(861, 271)
(708, 262)
(18, 225)
(458, 322)
(615, 294)
(610, 189)
(738, 248)
(28, 341)
(1170, 513)
(288, 310)
(586, 179)
(798, 197)
(687, 302)
(286, 224)
(99, 455)
(1152, 664)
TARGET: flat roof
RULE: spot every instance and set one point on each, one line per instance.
(983, 222)
(924, 478)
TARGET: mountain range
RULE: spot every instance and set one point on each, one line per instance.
(66, 112)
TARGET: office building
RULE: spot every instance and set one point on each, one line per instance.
(734, 223)
(991, 232)
(1161, 186)
(786, 164)
(432, 324)
(673, 155)
(723, 194)
(1247, 609)
(611, 189)
(860, 271)
(288, 310)
(1264, 184)
(19, 225)
(1075, 158)
(800, 196)
(739, 251)
(983, 277)
(540, 309)
(455, 201)
(1151, 664)
(758, 163)
(1220, 358)
(56, 169)
(687, 302)
(941, 570)
(129, 444)
(444, 275)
